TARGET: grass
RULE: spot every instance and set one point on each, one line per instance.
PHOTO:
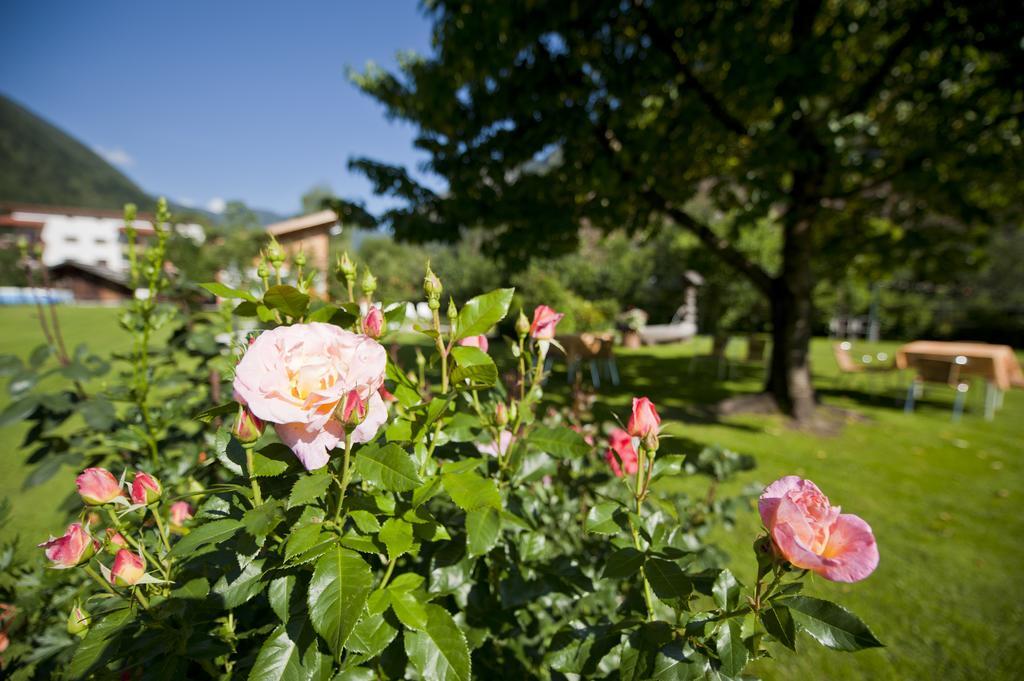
(943, 499)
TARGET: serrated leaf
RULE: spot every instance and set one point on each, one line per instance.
(213, 532)
(261, 520)
(726, 590)
(667, 579)
(221, 291)
(397, 537)
(388, 466)
(308, 488)
(470, 491)
(778, 622)
(483, 527)
(244, 586)
(289, 654)
(625, 562)
(272, 460)
(601, 518)
(279, 593)
(475, 366)
(830, 625)
(408, 609)
(99, 643)
(731, 651)
(338, 590)
(371, 635)
(439, 652)
(559, 442)
(302, 538)
(365, 521)
(479, 314)
(208, 415)
(287, 299)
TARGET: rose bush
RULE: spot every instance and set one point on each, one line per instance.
(403, 516)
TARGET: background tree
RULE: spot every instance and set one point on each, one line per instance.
(316, 198)
(891, 128)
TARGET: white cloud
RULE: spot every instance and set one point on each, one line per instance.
(216, 205)
(116, 156)
(187, 202)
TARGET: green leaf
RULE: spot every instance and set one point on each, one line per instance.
(470, 491)
(244, 586)
(474, 365)
(221, 291)
(625, 562)
(479, 314)
(215, 531)
(356, 674)
(397, 537)
(208, 415)
(674, 663)
(483, 526)
(302, 538)
(731, 651)
(272, 460)
(18, 410)
(279, 593)
(779, 623)
(439, 652)
(261, 520)
(308, 488)
(408, 609)
(559, 442)
(331, 314)
(287, 299)
(726, 590)
(99, 643)
(601, 518)
(388, 466)
(338, 590)
(98, 413)
(290, 654)
(365, 521)
(194, 589)
(831, 625)
(371, 635)
(667, 579)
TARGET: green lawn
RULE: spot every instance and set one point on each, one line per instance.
(943, 499)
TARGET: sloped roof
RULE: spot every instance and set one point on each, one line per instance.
(113, 277)
(324, 218)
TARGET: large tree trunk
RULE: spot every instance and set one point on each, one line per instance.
(789, 372)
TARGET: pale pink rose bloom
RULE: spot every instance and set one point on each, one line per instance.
(644, 418)
(295, 377)
(145, 489)
(97, 486)
(128, 568)
(500, 447)
(180, 512)
(74, 548)
(544, 322)
(475, 342)
(812, 534)
(621, 456)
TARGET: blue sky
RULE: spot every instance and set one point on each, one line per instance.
(205, 101)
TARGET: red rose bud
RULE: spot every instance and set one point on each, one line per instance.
(74, 548)
(373, 323)
(180, 512)
(500, 415)
(352, 410)
(386, 395)
(128, 568)
(145, 489)
(78, 621)
(97, 486)
(247, 428)
(115, 540)
(544, 322)
(644, 419)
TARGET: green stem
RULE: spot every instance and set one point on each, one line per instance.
(102, 582)
(160, 528)
(648, 596)
(522, 371)
(346, 474)
(143, 601)
(257, 496)
(387, 574)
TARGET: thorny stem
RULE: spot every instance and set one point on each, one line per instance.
(346, 474)
(441, 351)
(257, 496)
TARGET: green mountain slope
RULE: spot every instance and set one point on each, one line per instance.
(39, 163)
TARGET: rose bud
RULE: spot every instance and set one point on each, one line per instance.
(74, 548)
(115, 540)
(145, 489)
(644, 421)
(373, 323)
(78, 621)
(248, 428)
(352, 409)
(544, 322)
(128, 568)
(92, 518)
(475, 342)
(500, 415)
(522, 324)
(180, 512)
(432, 285)
(97, 486)
(4, 641)
(621, 456)
(386, 395)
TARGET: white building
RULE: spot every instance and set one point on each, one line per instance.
(87, 236)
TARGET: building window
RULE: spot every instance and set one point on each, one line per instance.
(71, 239)
(102, 263)
(101, 242)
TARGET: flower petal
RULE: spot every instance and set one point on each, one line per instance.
(769, 500)
(311, 446)
(852, 553)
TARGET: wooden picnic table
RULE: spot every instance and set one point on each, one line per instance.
(997, 364)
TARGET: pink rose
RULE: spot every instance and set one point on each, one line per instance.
(248, 429)
(544, 322)
(644, 419)
(128, 568)
(180, 512)
(352, 410)
(145, 489)
(813, 535)
(97, 486)
(475, 342)
(621, 451)
(373, 323)
(115, 538)
(296, 376)
(74, 548)
(500, 447)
